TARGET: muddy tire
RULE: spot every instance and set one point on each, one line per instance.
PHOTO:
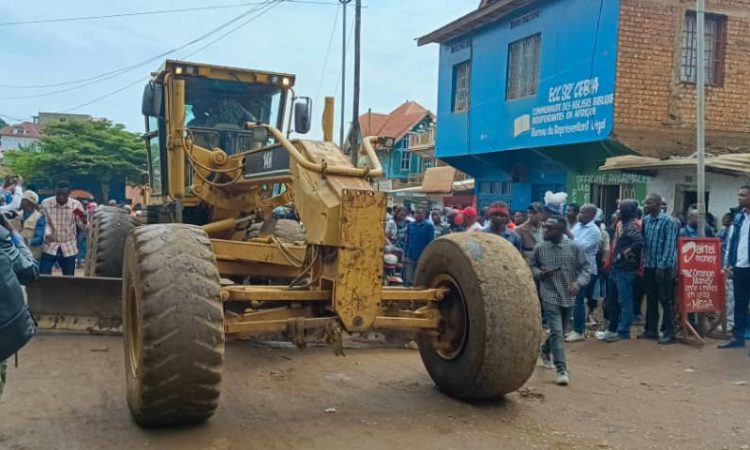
(106, 242)
(173, 325)
(488, 342)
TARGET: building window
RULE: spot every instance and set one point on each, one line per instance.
(405, 161)
(461, 87)
(428, 163)
(405, 141)
(496, 187)
(714, 37)
(523, 67)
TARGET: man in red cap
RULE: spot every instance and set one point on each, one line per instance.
(470, 219)
(499, 219)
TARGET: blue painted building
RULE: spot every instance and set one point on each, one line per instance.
(526, 94)
(413, 129)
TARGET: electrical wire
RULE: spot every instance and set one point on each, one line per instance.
(269, 6)
(272, 4)
(83, 82)
(348, 42)
(154, 12)
(11, 117)
(328, 52)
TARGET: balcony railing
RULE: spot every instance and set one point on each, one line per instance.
(422, 140)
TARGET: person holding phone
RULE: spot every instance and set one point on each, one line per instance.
(12, 192)
(562, 270)
(64, 215)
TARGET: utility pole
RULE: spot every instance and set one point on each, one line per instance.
(700, 80)
(353, 144)
(343, 74)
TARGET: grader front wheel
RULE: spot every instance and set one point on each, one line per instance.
(106, 241)
(488, 341)
(173, 325)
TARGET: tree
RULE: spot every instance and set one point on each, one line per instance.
(3, 123)
(93, 149)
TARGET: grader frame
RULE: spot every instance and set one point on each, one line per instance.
(183, 287)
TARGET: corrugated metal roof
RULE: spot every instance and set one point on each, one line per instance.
(438, 179)
(465, 185)
(472, 21)
(732, 164)
(28, 130)
(394, 124)
(664, 142)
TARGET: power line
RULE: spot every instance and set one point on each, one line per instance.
(12, 118)
(328, 52)
(268, 5)
(111, 74)
(154, 12)
(107, 95)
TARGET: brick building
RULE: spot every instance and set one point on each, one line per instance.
(536, 95)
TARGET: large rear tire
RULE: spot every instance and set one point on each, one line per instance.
(489, 337)
(173, 325)
(106, 241)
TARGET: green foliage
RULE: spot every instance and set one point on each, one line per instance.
(98, 150)
(3, 123)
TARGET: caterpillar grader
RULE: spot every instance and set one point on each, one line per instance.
(190, 274)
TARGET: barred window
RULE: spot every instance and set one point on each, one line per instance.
(523, 67)
(461, 87)
(714, 49)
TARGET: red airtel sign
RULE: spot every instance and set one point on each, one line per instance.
(700, 275)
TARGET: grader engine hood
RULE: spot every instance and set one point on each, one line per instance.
(320, 198)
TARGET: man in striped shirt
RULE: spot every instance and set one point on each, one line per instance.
(659, 249)
(63, 215)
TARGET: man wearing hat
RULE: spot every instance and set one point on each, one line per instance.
(470, 219)
(32, 223)
(498, 224)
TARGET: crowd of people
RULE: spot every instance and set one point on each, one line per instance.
(54, 229)
(581, 262)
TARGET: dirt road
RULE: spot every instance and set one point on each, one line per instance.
(68, 393)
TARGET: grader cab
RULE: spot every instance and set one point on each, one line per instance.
(194, 276)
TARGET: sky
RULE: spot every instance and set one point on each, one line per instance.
(290, 37)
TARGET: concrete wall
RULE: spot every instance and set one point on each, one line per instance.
(722, 189)
(15, 142)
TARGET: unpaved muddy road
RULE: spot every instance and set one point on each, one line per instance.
(68, 393)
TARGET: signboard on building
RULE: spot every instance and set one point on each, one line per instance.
(580, 186)
(553, 85)
(700, 275)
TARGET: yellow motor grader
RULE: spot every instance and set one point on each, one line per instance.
(191, 275)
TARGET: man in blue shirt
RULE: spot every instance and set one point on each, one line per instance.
(659, 248)
(498, 224)
(587, 236)
(738, 267)
(691, 227)
(418, 234)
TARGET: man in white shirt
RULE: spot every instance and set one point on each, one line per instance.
(738, 267)
(587, 236)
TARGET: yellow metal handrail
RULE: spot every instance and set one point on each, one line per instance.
(299, 158)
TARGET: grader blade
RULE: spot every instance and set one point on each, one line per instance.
(90, 304)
